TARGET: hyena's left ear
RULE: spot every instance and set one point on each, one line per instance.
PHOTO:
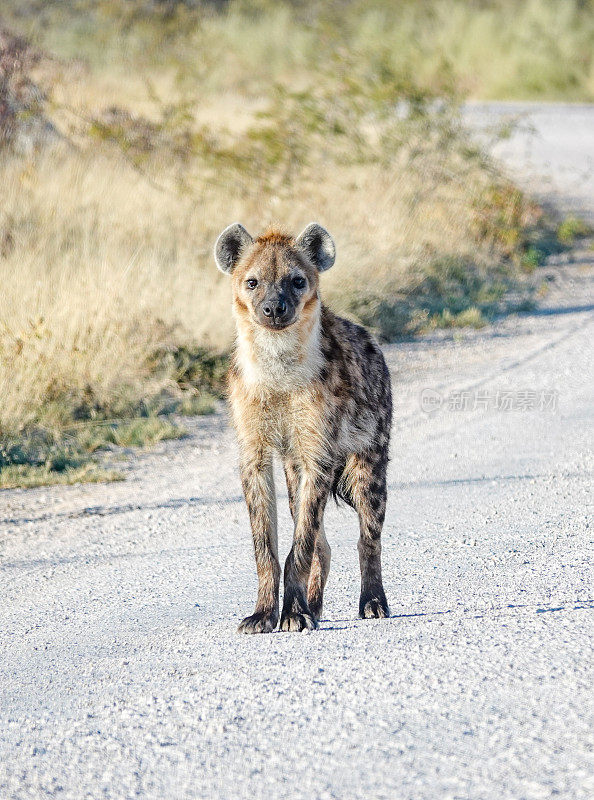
(318, 246)
(229, 246)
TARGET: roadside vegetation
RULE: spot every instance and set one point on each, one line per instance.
(132, 132)
(483, 49)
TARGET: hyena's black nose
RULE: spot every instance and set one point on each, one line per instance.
(274, 308)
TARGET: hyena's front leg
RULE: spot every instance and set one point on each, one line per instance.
(258, 487)
(320, 565)
(366, 476)
(311, 501)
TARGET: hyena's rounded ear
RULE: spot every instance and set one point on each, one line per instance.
(229, 246)
(318, 246)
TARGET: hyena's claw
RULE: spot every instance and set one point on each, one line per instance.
(374, 608)
(298, 622)
(260, 622)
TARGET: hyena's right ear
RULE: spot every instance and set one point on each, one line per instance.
(229, 246)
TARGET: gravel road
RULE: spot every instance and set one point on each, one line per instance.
(548, 147)
(122, 676)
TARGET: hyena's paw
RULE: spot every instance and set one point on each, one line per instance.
(374, 606)
(297, 621)
(260, 622)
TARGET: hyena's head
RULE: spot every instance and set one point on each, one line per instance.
(275, 276)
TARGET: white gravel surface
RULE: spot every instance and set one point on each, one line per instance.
(122, 676)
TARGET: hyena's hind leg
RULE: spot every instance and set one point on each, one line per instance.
(365, 478)
(320, 565)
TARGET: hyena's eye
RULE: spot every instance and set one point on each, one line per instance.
(298, 281)
(251, 283)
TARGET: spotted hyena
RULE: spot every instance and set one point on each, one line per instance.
(314, 388)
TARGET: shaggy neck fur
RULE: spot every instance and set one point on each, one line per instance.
(279, 361)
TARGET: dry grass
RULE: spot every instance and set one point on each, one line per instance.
(97, 276)
(28, 477)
